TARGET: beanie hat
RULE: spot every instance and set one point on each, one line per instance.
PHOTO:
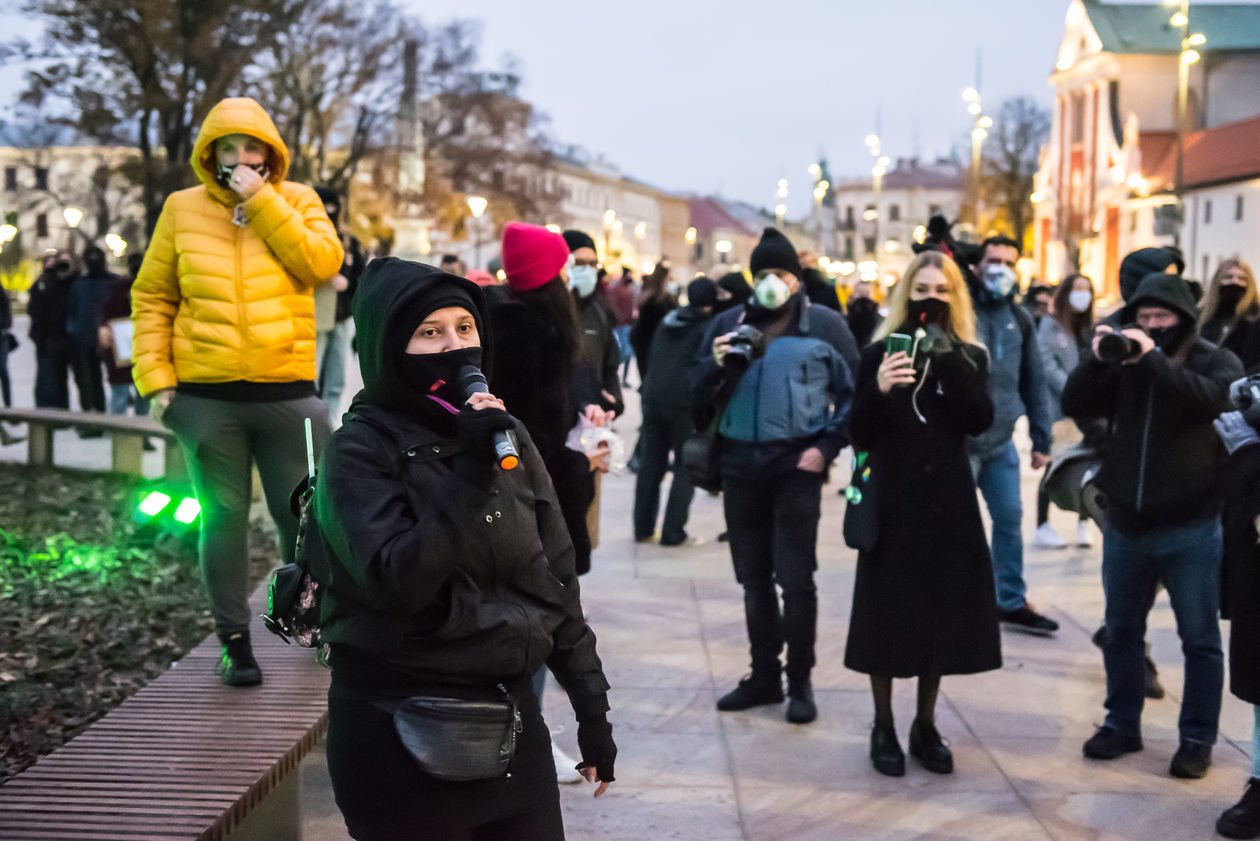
(532, 255)
(1136, 266)
(1164, 290)
(701, 292)
(774, 251)
(579, 239)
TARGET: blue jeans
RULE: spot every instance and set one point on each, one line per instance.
(622, 335)
(120, 396)
(997, 477)
(1187, 559)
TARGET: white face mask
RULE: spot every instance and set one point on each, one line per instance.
(582, 280)
(772, 292)
(999, 279)
(1079, 299)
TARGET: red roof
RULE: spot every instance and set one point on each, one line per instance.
(708, 216)
(1225, 153)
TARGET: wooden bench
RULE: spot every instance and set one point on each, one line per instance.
(184, 758)
(127, 434)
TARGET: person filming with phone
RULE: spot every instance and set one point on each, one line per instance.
(1159, 386)
(923, 603)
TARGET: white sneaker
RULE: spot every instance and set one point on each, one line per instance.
(1084, 535)
(566, 767)
(1045, 537)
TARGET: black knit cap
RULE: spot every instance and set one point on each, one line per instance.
(1145, 261)
(702, 292)
(774, 251)
(578, 239)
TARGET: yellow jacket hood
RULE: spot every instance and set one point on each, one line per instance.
(238, 115)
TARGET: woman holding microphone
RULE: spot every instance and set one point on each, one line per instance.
(923, 600)
(450, 583)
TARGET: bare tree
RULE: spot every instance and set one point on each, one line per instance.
(1010, 162)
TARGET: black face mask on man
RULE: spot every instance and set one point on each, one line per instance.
(1168, 339)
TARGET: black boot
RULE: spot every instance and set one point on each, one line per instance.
(801, 708)
(755, 690)
(927, 746)
(1242, 820)
(886, 753)
(238, 666)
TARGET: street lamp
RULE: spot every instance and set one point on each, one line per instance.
(477, 205)
(690, 236)
(73, 217)
(979, 131)
(8, 232)
(116, 244)
(1188, 56)
(610, 216)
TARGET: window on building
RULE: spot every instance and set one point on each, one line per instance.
(10, 178)
(868, 245)
(41, 178)
(41, 225)
(1207, 212)
(1238, 208)
(1133, 221)
(848, 246)
(894, 213)
(848, 216)
(1205, 266)
(699, 251)
(1078, 117)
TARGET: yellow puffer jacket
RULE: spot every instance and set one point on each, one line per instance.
(217, 301)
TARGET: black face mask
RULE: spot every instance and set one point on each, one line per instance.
(928, 311)
(1168, 339)
(1229, 297)
(223, 174)
(437, 374)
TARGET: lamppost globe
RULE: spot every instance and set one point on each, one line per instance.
(73, 216)
(477, 204)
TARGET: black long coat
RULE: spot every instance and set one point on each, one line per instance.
(923, 600)
(1240, 584)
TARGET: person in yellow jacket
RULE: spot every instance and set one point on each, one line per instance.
(224, 344)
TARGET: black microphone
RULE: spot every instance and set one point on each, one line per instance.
(505, 452)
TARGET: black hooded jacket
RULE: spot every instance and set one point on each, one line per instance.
(667, 385)
(441, 569)
(1163, 462)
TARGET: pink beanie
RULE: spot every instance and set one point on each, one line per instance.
(532, 255)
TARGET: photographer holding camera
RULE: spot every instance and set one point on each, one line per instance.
(788, 366)
(1159, 386)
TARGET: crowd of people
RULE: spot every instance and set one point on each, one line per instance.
(452, 520)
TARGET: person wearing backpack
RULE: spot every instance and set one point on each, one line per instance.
(447, 575)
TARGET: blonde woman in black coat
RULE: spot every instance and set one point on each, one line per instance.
(923, 600)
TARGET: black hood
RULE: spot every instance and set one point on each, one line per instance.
(1135, 267)
(1163, 289)
(679, 317)
(386, 288)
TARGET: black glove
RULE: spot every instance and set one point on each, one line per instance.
(475, 431)
(595, 743)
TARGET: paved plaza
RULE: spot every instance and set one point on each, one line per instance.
(671, 634)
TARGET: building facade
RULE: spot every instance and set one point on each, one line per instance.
(1108, 177)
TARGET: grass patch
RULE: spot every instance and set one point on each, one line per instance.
(94, 606)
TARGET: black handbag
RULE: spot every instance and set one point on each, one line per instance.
(861, 527)
(458, 741)
(701, 458)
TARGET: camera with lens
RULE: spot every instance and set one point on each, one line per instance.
(747, 343)
(1115, 347)
(1245, 395)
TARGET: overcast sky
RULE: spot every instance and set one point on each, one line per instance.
(728, 97)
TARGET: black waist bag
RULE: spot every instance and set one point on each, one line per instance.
(458, 741)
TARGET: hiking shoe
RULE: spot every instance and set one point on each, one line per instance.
(753, 691)
(886, 753)
(1109, 743)
(1191, 761)
(1028, 621)
(1045, 537)
(801, 708)
(1242, 820)
(238, 666)
(1152, 688)
(927, 746)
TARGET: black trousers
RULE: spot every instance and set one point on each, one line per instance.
(772, 526)
(384, 796)
(52, 390)
(663, 431)
(87, 376)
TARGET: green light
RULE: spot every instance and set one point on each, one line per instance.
(153, 504)
(187, 511)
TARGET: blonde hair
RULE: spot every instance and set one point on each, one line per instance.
(962, 319)
(1250, 303)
